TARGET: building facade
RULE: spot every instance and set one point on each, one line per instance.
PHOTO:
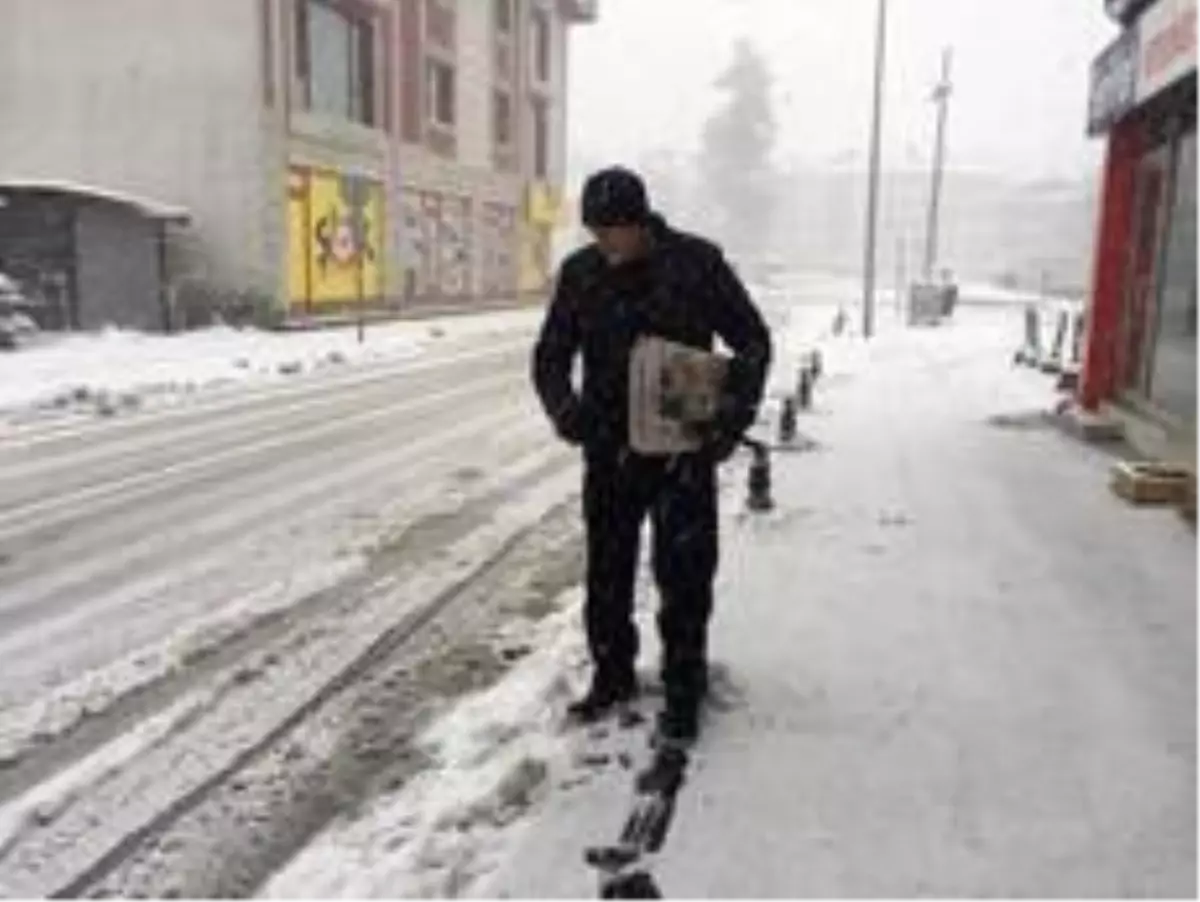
(1141, 343)
(331, 154)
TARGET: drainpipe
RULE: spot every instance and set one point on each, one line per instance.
(164, 284)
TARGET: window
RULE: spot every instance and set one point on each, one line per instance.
(335, 61)
(502, 111)
(362, 96)
(503, 16)
(1173, 383)
(303, 66)
(440, 104)
(541, 45)
(541, 139)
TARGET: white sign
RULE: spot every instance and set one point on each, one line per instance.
(1167, 39)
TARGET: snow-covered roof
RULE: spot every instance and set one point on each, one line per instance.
(151, 209)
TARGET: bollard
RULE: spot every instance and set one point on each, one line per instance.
(839, 322)
(1052, 362)
(759, 481)
(804, 389)
(787, 422)
(1031, 351)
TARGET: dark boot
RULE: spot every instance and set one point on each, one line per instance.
(679, 721)
(605, 694)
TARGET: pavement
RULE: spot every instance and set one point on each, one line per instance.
(958, 666)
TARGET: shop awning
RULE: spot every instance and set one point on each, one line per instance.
(151, 209)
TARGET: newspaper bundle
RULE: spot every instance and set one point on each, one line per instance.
(671, 388)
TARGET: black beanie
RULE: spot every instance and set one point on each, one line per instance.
(614, 197)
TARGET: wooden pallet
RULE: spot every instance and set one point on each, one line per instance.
(1148, 482)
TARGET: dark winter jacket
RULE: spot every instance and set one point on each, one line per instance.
(684, 291)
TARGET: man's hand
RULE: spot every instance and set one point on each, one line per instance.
(720, 436)
(570, 423)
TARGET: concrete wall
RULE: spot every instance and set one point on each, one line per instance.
(117, 268)
(161, 99)
(475, 65)
(558, 113)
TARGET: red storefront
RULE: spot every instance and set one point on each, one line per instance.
(1141, 343)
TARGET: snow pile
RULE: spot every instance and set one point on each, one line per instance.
(114, 369)
(491, 757)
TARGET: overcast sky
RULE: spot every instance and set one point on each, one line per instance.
(641, 78)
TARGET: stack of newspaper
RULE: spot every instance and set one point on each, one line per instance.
(672, 389)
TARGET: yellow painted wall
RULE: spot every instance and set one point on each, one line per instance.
(542, 213)
(337, 245)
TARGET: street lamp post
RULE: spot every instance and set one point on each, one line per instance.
(868, 324)
(941, 96)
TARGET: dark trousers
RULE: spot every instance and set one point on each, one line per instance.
(680, 495)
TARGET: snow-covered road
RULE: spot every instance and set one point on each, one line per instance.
(150, 521)
(188, 581)
(238, 601)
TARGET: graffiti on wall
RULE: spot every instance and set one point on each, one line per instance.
(417, 241)
(437, 244)
(454, 247)
(497, 250)
(336, 244)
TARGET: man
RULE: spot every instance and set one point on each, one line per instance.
(641, 277)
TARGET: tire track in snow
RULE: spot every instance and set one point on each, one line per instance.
(165, 444)
(373, 739)
(58, 627)
(102, 556)
(78, 848)
(48, 516)
(47, 745)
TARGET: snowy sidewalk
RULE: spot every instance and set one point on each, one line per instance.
(113, 370)
(960, 667)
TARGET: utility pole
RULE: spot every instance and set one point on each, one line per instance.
(868, 312)
(901, 273)
(941, 96)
